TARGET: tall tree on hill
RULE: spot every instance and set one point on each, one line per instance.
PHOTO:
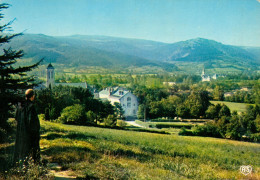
(12, 79)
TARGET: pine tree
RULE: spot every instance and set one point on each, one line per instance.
(12, 79)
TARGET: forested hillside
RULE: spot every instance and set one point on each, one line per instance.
(110, 52)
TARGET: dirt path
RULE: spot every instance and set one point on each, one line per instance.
(133, 123)
(59, 174)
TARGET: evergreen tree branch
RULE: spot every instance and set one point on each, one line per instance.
(4, 38)
(10, 54)
(25, 68)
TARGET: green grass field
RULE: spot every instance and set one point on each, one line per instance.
(99, 153)
(92, 152)
(239, 107)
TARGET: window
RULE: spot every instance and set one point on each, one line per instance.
(129, 102)
(50, 75)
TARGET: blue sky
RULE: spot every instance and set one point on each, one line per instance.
(235, 22)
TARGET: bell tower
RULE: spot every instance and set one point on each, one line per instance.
(203, 72)
(50, 81)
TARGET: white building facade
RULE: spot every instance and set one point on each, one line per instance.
(125, 98)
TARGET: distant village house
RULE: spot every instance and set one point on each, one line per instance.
(125, 98)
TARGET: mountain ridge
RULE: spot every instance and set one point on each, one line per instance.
(107, 51)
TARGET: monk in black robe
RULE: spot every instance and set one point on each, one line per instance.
(28, 131)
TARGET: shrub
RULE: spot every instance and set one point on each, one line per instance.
(41, 117)
(91, 117)
(28, 170)
(222, 124)
(185, 132)
(235, 129)
(187, 126)
(255, 137)
(257, 123)
(212, 112)
(156, 131)
(152, 125)
(121, 123)
(110, 121)
(73, 115)
(224, 111)
(209, 129)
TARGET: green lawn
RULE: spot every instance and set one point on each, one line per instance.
(99, 153)
(239, 107)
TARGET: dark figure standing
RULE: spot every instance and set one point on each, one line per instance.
(28, 131)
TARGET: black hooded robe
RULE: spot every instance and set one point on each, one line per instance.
(28, 133)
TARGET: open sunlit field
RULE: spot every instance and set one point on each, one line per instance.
(100, 153)
(239, 107)
(91, 152)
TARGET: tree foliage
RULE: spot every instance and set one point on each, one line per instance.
(119, 110)
(110, 120)
(245, 126)
(218, 94)
(74, 114)
(12, 79)
(52, 102)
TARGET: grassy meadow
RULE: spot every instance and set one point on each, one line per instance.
(98, 153)
(239, 107)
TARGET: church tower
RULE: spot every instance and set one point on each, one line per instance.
(50, 82)
(204, 76)
(203, 72)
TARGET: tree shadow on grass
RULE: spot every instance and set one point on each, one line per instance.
(74, 136)
(79, 136)
(141, 157)
(159, 151)
(51, 129)
(63, 154)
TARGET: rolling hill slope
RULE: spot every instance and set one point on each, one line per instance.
(201, 50)
(112, 52)
(73, 52)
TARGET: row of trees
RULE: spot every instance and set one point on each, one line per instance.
(241, 97)
(184, 82)
(156, 103)
(245, 126)
(126, 78)
(151, 81)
